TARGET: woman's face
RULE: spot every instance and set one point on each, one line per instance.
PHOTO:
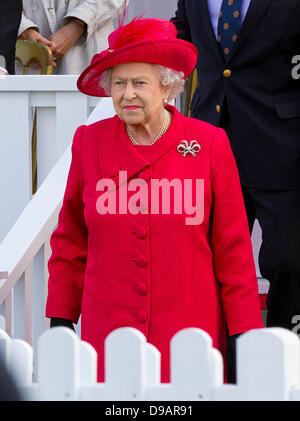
(137, 93)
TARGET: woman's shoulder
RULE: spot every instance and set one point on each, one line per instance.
(208, 133)
(100, 125)
(95, 132)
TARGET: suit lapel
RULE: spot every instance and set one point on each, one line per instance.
(255, 12)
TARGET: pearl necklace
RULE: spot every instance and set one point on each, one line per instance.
(163, 129)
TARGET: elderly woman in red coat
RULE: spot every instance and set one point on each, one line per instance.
(153, 232)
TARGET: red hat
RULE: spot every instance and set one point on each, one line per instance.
(141, 40)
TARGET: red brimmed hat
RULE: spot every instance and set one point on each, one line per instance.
(142, 40)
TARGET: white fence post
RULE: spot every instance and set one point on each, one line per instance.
(21, 362)
(19, 313)
(88, 365)
(195, 368)
(58, 364)
(127, 355)
(268, 366)
(5, 348)
(152, 366)
(125, 358)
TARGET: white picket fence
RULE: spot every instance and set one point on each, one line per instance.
(268, 367)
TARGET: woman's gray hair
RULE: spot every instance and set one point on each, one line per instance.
(168, 77)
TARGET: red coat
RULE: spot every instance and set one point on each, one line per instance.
(152, 271)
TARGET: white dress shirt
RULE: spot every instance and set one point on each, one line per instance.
(214, 7)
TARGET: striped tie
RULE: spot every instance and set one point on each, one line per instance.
(229, 25)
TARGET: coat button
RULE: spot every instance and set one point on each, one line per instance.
(141, 232)
(112, 170)
(141, 261)
(218, 108)
(227, 73)
(141, 316)
(141, 288)
(144, 176)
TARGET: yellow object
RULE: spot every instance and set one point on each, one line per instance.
(193, 86)
(29, 51)
(26, 53)
(218, 108)
(227, 73)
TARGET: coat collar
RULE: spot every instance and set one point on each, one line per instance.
(117, 153)
(254, 14)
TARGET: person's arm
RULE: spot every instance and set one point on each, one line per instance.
(231, 242)
(58, 322)
(69, 245)
(26, 24)
(10, 16)
(29, 31)
(94, 14)
(3, 71)
(181, 22)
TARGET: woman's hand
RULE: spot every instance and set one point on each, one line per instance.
(31, 34)
(64, 39)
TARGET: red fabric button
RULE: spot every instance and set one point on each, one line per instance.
(112, 170)
(144, 176)
(141, 316)
(141, 261)
(141, 288)
(141, 232)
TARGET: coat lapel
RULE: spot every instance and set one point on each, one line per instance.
(206, 26)
(117, 153)
(255, 12)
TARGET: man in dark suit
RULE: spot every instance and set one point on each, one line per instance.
(249, 85)
(10, 17)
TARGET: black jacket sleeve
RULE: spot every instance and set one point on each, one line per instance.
(181, 22)
(10, 18)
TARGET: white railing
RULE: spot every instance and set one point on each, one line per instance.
(268, 367)
(60, 109)
(25, 250)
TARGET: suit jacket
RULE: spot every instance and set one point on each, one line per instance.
(263, 98)
(10, 16)
(97, 14)
(151, 271)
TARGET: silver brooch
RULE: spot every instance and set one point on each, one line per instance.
(186, 148)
